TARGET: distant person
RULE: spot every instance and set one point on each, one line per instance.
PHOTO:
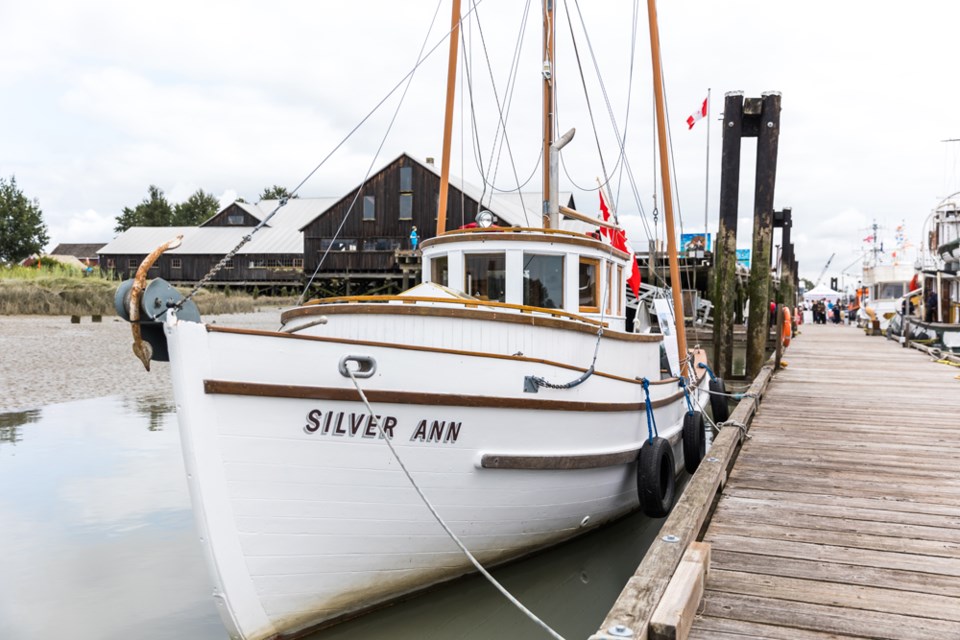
(931, 306)
(414, 239)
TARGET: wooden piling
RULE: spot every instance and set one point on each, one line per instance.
(725, 249)
(758, 289)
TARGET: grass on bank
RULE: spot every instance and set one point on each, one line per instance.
(64, 290)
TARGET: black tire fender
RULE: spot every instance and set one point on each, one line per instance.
(719, 404)
(656, 483)
(694, 440)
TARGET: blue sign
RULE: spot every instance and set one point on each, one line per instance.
(694, 244)
(743, 257)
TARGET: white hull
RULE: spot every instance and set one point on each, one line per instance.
(305, 519)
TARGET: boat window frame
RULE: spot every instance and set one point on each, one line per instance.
(444, 278)
(466, 274)
(595, 263)
(526, 255)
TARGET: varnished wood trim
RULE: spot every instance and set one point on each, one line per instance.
(471, 303)
(472, 314)
(564, 463)
(344, 394)
(555, 236)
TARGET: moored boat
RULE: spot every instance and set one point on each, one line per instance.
(502, 399)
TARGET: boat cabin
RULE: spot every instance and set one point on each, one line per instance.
(533, 269)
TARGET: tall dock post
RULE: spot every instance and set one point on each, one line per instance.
(787, 293)
(758, 287)
(725, 265)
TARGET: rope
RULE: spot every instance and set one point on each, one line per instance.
(686, 393)
(704, 365)
(453, 536)
(651, 419)
(739, 425)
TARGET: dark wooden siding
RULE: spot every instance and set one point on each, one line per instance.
(367, 246)
(232, 216)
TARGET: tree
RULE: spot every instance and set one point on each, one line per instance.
(154, 211)
(22, 231)
(276, 192)
(198, 208)
(807, 284)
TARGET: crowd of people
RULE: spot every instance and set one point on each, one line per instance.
(825, 311)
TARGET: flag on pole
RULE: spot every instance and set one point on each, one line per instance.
(697, 115)
(618, 238)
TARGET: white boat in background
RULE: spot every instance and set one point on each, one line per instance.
(505, 383)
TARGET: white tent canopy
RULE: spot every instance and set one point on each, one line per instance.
(821, 292)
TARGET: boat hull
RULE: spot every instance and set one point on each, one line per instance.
(305, 514)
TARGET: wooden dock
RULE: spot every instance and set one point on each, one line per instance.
(840, 518)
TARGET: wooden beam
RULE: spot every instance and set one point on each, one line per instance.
(674, 615)
(576, 215)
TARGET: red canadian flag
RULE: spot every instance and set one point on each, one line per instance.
(697, 115)
(618, 238)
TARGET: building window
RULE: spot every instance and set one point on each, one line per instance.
(485, 275)
(438, 271)
(406, 206)
(298, 263)
(369, 208)
(543, 281)
(380, 244)
(589, 285)
(341, 244)
(228, 264)
(176, 263)
(111, 263)
(132, 263)
(406, 179)
(235, 219)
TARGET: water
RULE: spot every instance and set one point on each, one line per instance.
(97, 542)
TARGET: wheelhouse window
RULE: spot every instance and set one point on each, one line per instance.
(485, 275)
(543, 281)
(369, 207)
(438, 271)
(610, 292)
(886, 290)
(589, 286)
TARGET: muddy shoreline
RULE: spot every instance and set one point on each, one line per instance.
(47, 359)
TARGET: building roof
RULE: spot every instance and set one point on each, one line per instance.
(81, 250)
(206, 241)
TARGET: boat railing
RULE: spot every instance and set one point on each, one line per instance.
(469, 303)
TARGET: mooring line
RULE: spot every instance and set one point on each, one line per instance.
(476, 563)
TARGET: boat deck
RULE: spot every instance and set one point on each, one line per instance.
(841, 516)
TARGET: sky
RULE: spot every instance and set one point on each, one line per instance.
(102, 99)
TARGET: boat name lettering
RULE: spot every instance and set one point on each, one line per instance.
(343, 423)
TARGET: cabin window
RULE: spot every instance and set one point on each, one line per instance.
(485, 275)
(176, 263)
(406, 206)
(235, 219)
(543, 281)
(438, 271)
(406, 179)
(369, 208)
(589, 285)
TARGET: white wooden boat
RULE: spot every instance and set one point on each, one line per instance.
(304, 511)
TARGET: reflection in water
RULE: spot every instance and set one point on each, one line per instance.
(10, 424)
(155, 408)
(99, 530)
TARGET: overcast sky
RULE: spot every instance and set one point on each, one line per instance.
(102, 99)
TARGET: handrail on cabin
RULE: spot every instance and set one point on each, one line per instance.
(467, 302)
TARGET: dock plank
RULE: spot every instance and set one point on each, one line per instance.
(841, 515)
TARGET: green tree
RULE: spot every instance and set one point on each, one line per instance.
(22, 231)
(807, 284)
(276, 192)
(154, 211)
(199, 207)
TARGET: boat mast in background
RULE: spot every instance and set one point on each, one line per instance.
(548, 50)
(448, 119)
(667, 187)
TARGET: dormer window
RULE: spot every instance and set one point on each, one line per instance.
(235, 219)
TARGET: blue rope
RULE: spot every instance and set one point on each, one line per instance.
(704, 365)
(651, 420)
(686, 394)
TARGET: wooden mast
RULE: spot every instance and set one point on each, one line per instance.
(667, 187)
(548, 51)
(448, 118)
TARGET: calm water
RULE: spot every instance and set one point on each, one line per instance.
(97, 542)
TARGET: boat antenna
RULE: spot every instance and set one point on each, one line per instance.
(667, 191)
(448, 118)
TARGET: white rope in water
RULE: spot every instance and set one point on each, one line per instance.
(476, 563)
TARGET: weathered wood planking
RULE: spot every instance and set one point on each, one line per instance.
(841, 516)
